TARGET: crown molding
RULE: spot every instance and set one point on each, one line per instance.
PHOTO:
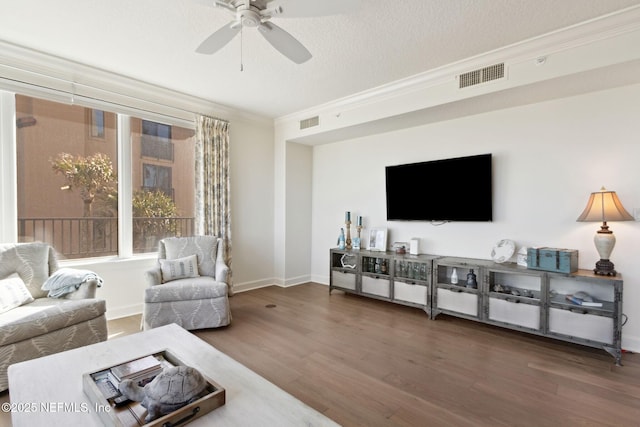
(583, 34)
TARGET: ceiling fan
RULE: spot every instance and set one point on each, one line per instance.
(258, 14)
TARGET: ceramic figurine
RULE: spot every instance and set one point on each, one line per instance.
(172, 389)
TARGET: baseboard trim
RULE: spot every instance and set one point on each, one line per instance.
(247, 286)
(126, 311)
(631, 344)
(297, 280)
(323, 280)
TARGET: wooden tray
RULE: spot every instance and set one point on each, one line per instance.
(132, 414)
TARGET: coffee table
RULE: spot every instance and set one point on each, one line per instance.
(48, 391)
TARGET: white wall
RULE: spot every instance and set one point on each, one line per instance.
(252, 203)
(298, 214)
(547, 158)
(124, 283)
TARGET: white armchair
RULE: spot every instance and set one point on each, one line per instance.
(189, 285)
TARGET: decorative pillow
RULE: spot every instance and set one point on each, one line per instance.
(13, 293)
(203, 246)
(179, 268)
(32, 261)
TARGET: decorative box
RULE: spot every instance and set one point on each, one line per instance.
(553, 259)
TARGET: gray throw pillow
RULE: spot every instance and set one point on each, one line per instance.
(205, 247)
(181, 268)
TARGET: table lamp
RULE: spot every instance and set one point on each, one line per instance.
(604, 206)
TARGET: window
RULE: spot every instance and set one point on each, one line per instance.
(158, 130)
(157, 178)
(156, 141)
(66, 181)
(68, 184)
(97, 123)
(163, 183)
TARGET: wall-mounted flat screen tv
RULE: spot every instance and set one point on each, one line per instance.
(456, 189)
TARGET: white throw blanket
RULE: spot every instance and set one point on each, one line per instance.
(65, 280)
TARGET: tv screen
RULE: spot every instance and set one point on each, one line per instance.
(456, 189)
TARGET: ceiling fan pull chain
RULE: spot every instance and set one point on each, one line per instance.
(241, 65)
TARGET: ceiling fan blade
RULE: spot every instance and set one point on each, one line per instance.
(309, 8)
(284, 42)
(219, 39)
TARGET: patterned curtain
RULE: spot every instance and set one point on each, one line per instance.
(213, 203)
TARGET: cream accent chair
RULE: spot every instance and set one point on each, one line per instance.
(38, 325)
(189, 290)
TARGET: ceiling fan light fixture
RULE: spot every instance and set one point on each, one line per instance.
(249, 18)
(258, 14)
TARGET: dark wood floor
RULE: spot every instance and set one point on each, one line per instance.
(370, 363)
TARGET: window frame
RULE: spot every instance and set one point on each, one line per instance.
(8, 165)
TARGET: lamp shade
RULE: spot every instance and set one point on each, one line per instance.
(604, 206)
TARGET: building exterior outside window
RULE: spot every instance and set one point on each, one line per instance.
(58, 144)
(97, 123)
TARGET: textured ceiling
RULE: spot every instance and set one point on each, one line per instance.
(382, 41)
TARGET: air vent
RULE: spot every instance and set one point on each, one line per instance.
(482, 75)
(310, 122)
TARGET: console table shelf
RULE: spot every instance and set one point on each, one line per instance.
(402, 279)
(505, 295)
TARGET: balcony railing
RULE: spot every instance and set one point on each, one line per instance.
(87, 237)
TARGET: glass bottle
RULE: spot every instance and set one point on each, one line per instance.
(423, 271)
(471, 280)
(454, 276)
(341, 240)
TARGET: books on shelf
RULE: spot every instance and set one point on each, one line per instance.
(579, 301)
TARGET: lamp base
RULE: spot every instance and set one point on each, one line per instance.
(604, 267)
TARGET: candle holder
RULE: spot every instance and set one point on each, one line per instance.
(348, 226)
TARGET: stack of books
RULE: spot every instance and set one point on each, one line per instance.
(586, 302)
(136, 370)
